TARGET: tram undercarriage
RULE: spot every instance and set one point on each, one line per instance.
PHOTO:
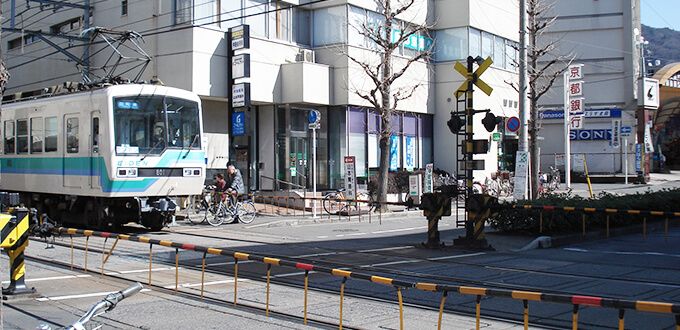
(103, 213)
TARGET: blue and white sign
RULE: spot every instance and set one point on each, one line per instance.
(314, 116)
(626, 131)
(638, 157)
(612, 113)
(410, 153)
(238, 123)
(590, 134)
(394, 153)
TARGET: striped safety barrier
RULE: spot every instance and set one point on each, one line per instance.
(525, 296)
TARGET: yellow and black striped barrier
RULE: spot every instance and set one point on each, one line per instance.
(525, 296)
(14, 235)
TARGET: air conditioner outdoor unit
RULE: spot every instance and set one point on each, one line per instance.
(305, 55)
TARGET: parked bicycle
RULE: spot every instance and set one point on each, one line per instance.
(104, 306)
(549, 183)
(337, 202)
(208, 207)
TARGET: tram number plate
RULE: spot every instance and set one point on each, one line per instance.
(157, 172)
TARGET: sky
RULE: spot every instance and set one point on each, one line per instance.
(660, 13)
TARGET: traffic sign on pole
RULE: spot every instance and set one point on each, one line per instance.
(512, 124)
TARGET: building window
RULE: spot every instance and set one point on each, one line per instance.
(229, 13)
(66, 26)
(183, 11)
(301, 28)
(205, 12)
(451, 44)
(124, 8)
(475, 43)
(16, 43)
(330, 26)
(36, 135)
(255, 17)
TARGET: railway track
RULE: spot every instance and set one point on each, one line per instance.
(320, 256)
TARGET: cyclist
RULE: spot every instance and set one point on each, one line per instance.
(235, 183)
(220, 186)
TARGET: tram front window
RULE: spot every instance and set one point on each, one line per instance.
(141, 124)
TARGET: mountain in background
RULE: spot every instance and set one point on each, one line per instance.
(663, 47)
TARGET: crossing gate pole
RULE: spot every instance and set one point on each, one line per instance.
(15, 226)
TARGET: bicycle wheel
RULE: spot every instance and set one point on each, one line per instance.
(196, 209)
(333, 203)
(216, 214)
(246, 212)
(477, 188)
(364, 202)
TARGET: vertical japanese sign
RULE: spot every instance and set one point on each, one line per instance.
(410, 153)
(428, 178)
(616, 134)
(521, 171)
(573, 104)
(350, 178)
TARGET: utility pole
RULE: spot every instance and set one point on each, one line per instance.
(523, 75)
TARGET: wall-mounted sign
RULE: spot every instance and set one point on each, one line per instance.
(648, 94)
(590, 134)
(240, 95)
(240, 37)
(605, 113)
(238, 123)
(240, 66)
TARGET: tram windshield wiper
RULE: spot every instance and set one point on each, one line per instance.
(152, 149)
(190, 145)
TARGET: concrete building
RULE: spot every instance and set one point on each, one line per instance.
(295, 66)
(605, 37)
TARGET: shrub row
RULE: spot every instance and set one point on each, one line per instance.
(521, 221)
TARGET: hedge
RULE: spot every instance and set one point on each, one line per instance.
(522, 221)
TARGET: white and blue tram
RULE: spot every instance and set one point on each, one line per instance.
(105, 157)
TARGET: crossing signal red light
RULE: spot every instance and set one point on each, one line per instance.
(490, 121)
(455, 123)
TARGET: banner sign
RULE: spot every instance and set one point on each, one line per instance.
(610, 113)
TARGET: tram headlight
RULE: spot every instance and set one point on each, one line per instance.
(191, 171)
(126, 172)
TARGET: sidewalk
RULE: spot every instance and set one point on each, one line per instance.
(657, 181)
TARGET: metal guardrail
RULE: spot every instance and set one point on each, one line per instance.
(525, 296)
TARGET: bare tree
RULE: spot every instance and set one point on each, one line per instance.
(387, 35)
(544, 67)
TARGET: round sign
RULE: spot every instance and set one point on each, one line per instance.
(512, 124)
(314, 116)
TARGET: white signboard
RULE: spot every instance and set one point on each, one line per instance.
(576, 72)
(521, 172)
(559, 160)
(414, 184)
(578, 163)
(240, 37)
(575, 88)
(649, 145)
(576, 122)
(240, 95)
(577, 105)
(648, 94)
(350, 178)
(616, 133)
(428, 178)
(240, 66)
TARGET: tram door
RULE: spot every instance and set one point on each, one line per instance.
(300, 161)
(95, 161)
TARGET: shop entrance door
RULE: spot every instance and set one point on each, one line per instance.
(300, 162)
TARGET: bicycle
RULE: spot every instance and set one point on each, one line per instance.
(197, 205)
(241, 211)
(548, 185)
(335, 202)
(104, 306)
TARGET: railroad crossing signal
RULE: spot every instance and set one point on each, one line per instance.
(474, 77)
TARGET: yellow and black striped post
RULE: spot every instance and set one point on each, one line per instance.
(14, 236)
(480, 207)
(434, 206)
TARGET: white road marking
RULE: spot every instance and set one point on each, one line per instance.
(456, 256)
(398, 230)
(289, 274)
(392, 263)
(387, 249)
(84, 295)
(189, 285)
(66, 277)
(625, 253)
(139, 271)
